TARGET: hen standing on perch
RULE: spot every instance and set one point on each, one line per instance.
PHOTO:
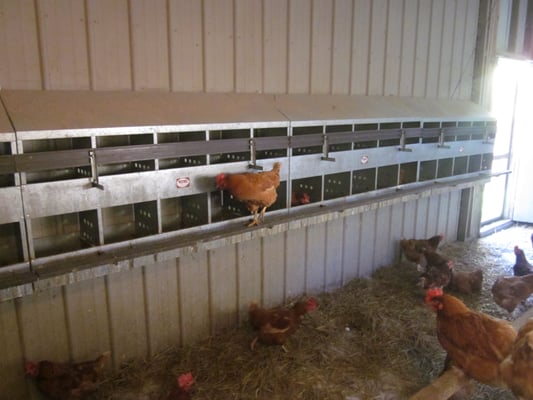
(257, 191)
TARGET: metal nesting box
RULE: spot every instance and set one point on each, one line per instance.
(88, 169)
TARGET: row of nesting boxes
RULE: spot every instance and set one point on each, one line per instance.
(66, 189)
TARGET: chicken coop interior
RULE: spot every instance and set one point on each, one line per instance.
(117, 119)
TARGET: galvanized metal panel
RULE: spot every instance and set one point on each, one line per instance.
(11, 210)
(378, 40)
(299, 37)
(13, 383)
(127, 313)
(422, 205)
(275, 44)
(396, 227)
(315, 258)
(63, 35)
(360, 47)
(470, 37)
(393, 48)
(368, 243)
(422, 48)
(434, 60)
(453, 215)
(295, 259)
(383, 248)
(223, 287)
(442, 215)
(20, 65)
(43, 324)
(194, 297)
(218, 45)
(410, 38)
(446, 44)
(186, 45)
(433, 216)
(87, 316)
(342, 43)
(351, 247)
(109, 45)
(149, 39)
(409, 219)
(321, 42)
(457, 63)
(249, 275)
(334, 254)
(248, 46)
(273, 264)
(162, 305)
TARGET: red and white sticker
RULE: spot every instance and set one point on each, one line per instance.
(364, 159)
(183, 182)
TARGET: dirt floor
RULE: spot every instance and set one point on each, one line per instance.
(372, 339)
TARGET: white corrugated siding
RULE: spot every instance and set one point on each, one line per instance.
(144, 308)
(382, 47)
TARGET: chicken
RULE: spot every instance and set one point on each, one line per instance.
(517, 368)
(408, 249)
(257, 191)
(475, 342)
(466, 282)
(183, 389)
(299, 198)
(413, 249)
(275, 325)
(438, 271)
(522, 266)
(67, 381)
(509, 291)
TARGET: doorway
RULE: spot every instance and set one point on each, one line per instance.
(509, 195)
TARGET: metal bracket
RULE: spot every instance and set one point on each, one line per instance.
(402, 142)
(486, 138)
(253, 160)
(325, 149)
(441, 144)
(94, 171)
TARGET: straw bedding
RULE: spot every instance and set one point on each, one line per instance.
(372, 339)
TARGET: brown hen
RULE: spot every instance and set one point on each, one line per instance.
(475, 342)
(257, 191)
(67, 381)
(275, 325)
(517, 368)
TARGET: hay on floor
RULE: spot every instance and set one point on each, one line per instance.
(372, 339)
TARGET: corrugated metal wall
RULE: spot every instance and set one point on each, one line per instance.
(420, 48)
(140, 309)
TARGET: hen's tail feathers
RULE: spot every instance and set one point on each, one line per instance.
(276, 167)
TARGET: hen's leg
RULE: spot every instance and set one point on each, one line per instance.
(262, 216)
(255, 219)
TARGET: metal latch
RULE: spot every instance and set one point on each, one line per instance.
(441, 144)
(402, 142)
(94, 171)
(325, 149)
(253, 159)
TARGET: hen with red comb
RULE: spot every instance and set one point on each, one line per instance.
(475, 342)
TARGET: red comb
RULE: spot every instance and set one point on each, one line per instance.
(311, 304)
(433, 292)
(185, 381)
